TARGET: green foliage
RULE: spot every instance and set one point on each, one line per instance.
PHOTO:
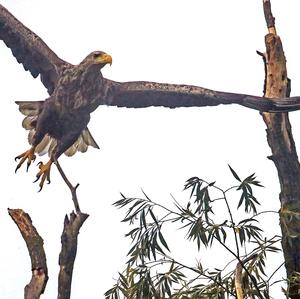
(151, 272)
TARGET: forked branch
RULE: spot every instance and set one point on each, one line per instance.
(69, 240)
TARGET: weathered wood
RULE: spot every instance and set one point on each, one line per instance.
(270, 20)
(69, 240)
(284, 155)
(34, 244)
(68, 252)
(238, 281)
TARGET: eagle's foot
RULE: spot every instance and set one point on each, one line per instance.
(44, 173)
(28, 155)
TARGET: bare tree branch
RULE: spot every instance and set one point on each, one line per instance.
(69, 240)
(34, 244)
(68, 252)
(71, 187)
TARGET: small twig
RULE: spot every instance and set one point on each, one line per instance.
(71, 187)
(34, 244)
(264, 58)
(274, 272)
(233, 225)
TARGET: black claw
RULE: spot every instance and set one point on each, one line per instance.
(28, 164)
(17, 158)
(37, 178)
(39, 164)
(17, 168)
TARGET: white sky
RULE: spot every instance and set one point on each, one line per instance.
(206, 43)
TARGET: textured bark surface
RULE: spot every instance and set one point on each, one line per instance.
(284, 155)
(68, 252)
(36, 251)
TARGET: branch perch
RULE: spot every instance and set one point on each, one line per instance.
(71, 187)
(69, 240)
(34, 244)
(68, 252)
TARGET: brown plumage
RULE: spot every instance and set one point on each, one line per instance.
(59, 124)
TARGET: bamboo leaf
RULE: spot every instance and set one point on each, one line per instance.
(234, 173)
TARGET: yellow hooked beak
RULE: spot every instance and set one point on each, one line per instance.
(104, 59)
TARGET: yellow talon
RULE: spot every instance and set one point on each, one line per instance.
(44, 173)
(28, 155)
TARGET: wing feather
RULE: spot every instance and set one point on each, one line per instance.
(30, 50)
(84, 140)
(28, 121)
(141, 94)
(31, 110)
(43, 147)
(88, 138)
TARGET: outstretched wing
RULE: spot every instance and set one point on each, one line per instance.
(141, 94)
(30, 50)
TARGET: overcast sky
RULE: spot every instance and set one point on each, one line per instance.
(206, 43)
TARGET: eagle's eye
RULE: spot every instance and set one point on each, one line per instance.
(96, 55)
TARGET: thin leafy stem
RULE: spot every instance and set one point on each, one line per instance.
(233, 226)
(205, 275)
(165, 208)
(201, 273)
(274, 272)
(180, 215)
(170, 211)
(263, 212)
(217, 199)
(230, 188)
(163, 219)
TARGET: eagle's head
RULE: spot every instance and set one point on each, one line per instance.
(97, 58)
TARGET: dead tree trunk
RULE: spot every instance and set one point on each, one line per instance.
(284, 155)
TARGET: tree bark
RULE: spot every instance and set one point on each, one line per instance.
(284, 155)
(68, 252)
(36, 251)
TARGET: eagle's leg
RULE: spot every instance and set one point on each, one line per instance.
(28, 155)
(62, 145)
(44, 173)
